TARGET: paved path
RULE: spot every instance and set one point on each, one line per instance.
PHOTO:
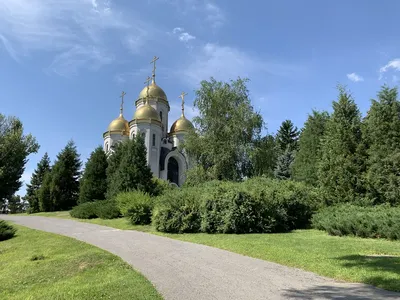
(181, 270)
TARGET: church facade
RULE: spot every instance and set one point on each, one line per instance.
(164, 158)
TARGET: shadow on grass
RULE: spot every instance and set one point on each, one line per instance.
(350, 293)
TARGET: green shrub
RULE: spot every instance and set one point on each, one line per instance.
(104, 209)
(367, 222)
(136, 206)
(178, 211)
(161, 186)
(6, 231)
(107, 209)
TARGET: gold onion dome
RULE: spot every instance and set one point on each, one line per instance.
(146, 112)
(119, 125)
(181, 125)
(154, 92)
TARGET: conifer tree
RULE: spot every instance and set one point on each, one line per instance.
(133, 173)
(342, 164)
(382, 135)
(65, 178)
(284, 164)
(287, 136)
(93, 184)
(44, 194)
(264, 156)
(36, 182)
(309, 153)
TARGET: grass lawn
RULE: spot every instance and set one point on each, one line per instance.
(371, 261)
(41, 265)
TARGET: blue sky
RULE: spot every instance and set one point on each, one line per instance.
(64, 63)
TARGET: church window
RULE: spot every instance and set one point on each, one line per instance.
(161, 116)
(154, 140)
(107, 148)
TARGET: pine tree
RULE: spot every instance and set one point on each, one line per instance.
(93, 184)
(309, 153)
(133, 173)
(65, 178)
(382, 135)
(283, 169)
(15, 204)
(114, 161)
(44, 194)
(287, 136)
(342, 164)
(36, 181)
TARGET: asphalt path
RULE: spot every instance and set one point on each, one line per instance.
(187, 271)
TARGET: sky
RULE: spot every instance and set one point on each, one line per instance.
(64, 63)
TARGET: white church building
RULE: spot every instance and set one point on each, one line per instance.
(151, 119)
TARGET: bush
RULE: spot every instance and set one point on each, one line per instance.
(104, 209)
(6, 231)
(178, 211)
(367, 222)
(161, 186)
(136, 206)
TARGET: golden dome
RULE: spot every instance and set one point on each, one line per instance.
(119, 125)
(146, 112)
(181, 125)
(154, 92)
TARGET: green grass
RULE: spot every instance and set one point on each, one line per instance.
(40, 265)
(343, 258)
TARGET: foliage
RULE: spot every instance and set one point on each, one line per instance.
(15, 147)
(197, 175)
(264, 156)
(87, 210)
(178, 211)
(380, 221)
(161, 186)
(104, 209)
(342, 163)
(129, 170)
(256, 205)
(136, 206)
(6, 231)
(287, 136)
(16, 204)
(309, 152)
(382, 135)
(36, 182)
(226, 129)
(93, 184)
(283, 169)
(65, 178)
(44, 194)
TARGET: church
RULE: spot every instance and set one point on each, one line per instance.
(164, 158)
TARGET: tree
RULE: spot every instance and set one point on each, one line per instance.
(342, 162)
(36, 182)
(382, 135)
(93, 185)
(15, 147)
(44, 194)
(65, 174)
(264, 156)
(225, 130)
(15, 204)
(133, 173)
(309, 154)
(284, 164)
(287, 136)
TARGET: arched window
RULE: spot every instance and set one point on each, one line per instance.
(161, 116)
(154, 140)
(107, 147)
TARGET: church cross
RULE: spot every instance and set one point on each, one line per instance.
(122, 102)
(155, 58)
(182, 96)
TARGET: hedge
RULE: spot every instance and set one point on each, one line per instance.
(6, 231)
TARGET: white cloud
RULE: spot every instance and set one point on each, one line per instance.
(214, 14)
(177, 30)
(224, 63)
(182, 35)
(354, 77)
(393, 65)
(74, 31)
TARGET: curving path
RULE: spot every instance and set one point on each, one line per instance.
(182, 270)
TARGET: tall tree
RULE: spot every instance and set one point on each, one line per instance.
(44, 194)
(226, 129)
(264, 156)
(36, 182)
(93, 185)
(133, 173)
(341, 166)
(14, 150)
(15, 204)
(287, 136)
(65, 178)
(309, 154)
(283, 169)
(382, 134)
